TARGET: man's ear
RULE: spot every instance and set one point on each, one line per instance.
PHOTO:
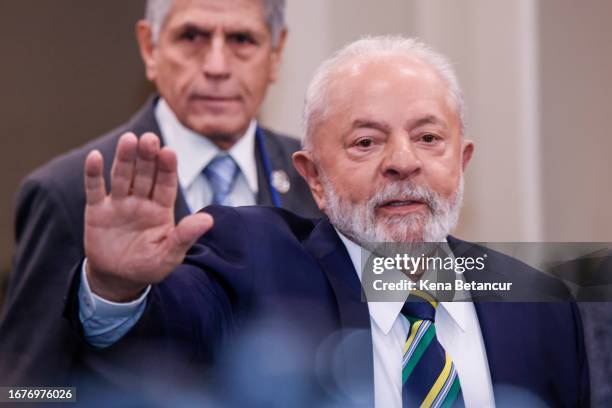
(467, 151)
(144, 36)
(305, 165)
(276, 55)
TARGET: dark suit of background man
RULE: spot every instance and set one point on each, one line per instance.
(211, 62)
(384, 156)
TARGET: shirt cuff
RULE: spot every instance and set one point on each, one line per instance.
(91, 304)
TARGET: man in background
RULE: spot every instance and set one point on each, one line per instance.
(212, 62)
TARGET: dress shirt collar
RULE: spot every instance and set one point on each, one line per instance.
(384, 314)
(196, 151)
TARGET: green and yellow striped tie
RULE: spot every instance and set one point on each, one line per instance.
(429, 376)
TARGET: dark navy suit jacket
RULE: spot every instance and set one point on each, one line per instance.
(262, 267)
(37, 346)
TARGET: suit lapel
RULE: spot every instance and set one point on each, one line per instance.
(466, 249)
(498, 334)
(327, 248)
(264, 196)
(144, 120)
(491, 327)
(495, 319)
(354, 318)
(347, 288)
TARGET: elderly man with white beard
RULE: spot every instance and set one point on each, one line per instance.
(384, 155)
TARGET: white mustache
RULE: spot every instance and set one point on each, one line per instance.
(404, 191)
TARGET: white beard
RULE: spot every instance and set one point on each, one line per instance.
(359, 221)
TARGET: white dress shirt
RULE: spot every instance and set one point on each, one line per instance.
(457, 329)
(195, 151)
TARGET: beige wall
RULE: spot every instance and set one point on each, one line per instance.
(576, 87)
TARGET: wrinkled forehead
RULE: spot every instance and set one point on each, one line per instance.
(389, 73)
(213, 12)
(387, 84)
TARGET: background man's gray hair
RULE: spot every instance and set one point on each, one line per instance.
(156, 12)
(374, 48)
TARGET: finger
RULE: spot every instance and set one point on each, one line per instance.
(95, 191)
(187, 232)
(123, 165)
(166, 183)
(146, 163)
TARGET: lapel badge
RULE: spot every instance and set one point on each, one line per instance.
(280, 181)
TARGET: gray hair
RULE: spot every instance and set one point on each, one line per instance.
(156, 12)
(373, 48)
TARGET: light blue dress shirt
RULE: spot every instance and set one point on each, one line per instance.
(194, 152)
(105, 322)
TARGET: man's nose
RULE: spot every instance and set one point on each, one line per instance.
(216, 60)
(401, 159)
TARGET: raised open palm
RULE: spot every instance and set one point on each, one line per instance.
(131, 239)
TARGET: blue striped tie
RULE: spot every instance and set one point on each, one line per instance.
(221, 173)
(429, 376)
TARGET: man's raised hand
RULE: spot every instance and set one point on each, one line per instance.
(131, 240)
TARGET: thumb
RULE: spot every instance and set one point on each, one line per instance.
(188, 231)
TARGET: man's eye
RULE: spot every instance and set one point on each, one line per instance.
(241, 38)
(191, 35)
(429, 138)
(364, 143)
